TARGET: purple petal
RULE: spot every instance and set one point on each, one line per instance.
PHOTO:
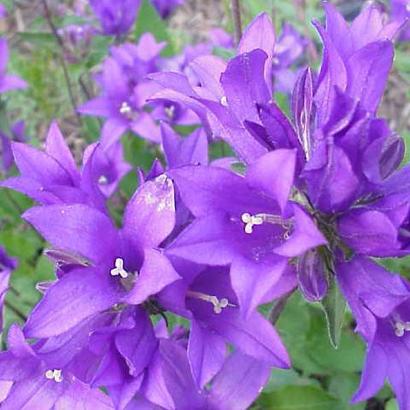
(156, 273)
(252, 281)
(57, 148)
(368, 70)
(206, 354)
(373, 375)
(239, 382)
(260, 34)
(76, 296)
(76, 228)
(274, 173)
(38, 165)
(244, 84)
(137, 345)
(150, 214)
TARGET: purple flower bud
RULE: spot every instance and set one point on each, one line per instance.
(312, 276)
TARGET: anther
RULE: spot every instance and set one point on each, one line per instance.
(170, 111)
(401, 327)
(125, 108)
(251, 220)
(224, 101)
(218, 304)
(119, 269)
(103, 180)
(54, 375)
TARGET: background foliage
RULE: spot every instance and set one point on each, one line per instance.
(322, 378)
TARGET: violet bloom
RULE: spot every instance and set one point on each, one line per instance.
(17, 134)
(3, 11)
(124, 266)
(125, 92)
(219, 102)
(52, 176)
(400, 12)
(113, 349)
(77, 40)
(289, 49)
(108, 166)
(7, 266)
(235, 386)
(380, 302)
(116, 17)
(246, 222)
(8, 82)
(354, 55)
(166, 7)
(205, 297)
(33, 382)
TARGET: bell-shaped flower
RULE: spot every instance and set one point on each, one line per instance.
(246, 222)
(125, 266)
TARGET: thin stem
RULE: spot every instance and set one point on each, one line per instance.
(236, 14)
(60, 43)
(21, 315)
(278, 307)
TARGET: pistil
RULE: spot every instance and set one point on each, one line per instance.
(218, 304)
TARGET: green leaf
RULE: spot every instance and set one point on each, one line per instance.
(392, 405)
(149, 21)
(298, 398)
(334, 307)
(342, 386)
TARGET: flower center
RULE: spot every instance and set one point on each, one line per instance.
(224, 101)
(55, 375)
(400, 328)
(170, 111)
(119, 269)
(125, 108)
(218, 304)
(258, 219)
(103, 180)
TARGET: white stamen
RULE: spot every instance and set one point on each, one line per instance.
(54, 375)
(400, 328)
(251, 220)
(170, 111)
(218, 304)
(103, 180)
(408, 8)
(125, 108)
(224, 101)
(119, 269)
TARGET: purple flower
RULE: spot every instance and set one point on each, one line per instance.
(289, 49)
(3, 11)
(116, 18)
(52, 177)
(123, 266)
(235, 386)
(8, 82)
(125, 92)
(77, 40)
(246, 222)
(400, 13)
(381, 306)
(7, 266)
(356, 58)
(37, 383)
(166, 7)
(17, 134)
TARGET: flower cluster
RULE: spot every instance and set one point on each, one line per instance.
(159, 309)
